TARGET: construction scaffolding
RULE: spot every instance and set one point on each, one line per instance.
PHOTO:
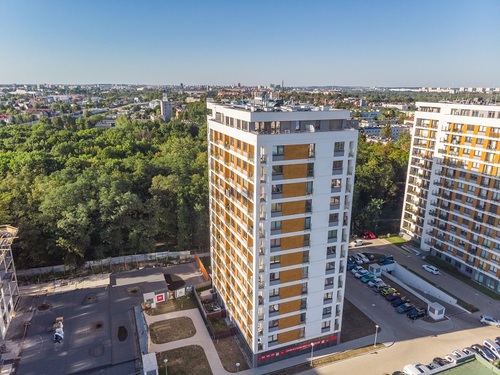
(9, 291)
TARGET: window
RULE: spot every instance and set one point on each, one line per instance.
(310, 169)
(334, 203)
(326, 325)
(273, 323)
(327, 312)
(272, 339)
(278, 150)
(307, 223)
(328, 296)
(332, 234)
(309, 187)
(304, 288)
(330, 267)
(331, 251)
(336, 184)
(277, 170)
(311, 150)
(274, 259)
(305, 272)
(276, 207)
(333, 219)
(274, 276)
(274, 292)
(277, 189)
(339, 148)
(337, 166)
(329, 281)
(307, 239)
(303, 303)
(275, 225)
(308, 206)
(276, 242)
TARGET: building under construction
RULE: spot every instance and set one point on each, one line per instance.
(9, 290)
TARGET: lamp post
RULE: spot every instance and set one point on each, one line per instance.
(237, 367)
(166, 361)
(376, 331)
(312, 353)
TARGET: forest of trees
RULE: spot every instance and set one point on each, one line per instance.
(79, 193)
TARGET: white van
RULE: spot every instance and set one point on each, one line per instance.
(492, 345)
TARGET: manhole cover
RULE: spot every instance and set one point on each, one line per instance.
(122, 333)
(133, 291)
(97, 351)
(90, 298)
(43, 307)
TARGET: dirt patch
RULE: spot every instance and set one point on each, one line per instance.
(178, 304)
(188, 360)
(172, 330)
(43, 307)
(174, 282)
(122, 333)
(355, 323)
(230, 354)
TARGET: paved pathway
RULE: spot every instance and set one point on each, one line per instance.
(201, 338)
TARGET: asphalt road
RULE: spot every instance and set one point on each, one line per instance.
(412, 341)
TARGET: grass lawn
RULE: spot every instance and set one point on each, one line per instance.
(230, 354)
(172, 330)
(187, 360)
(396, 240)
(182, 303)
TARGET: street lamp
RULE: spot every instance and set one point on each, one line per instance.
(376, 331)
(312, 353)
(166, 361)
(237, 367)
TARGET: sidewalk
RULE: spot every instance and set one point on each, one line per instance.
(203, 339)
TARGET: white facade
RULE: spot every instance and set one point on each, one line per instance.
(452, 195)
(296, 196)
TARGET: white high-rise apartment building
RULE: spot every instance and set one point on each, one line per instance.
(9, 291)
(452, 194)
(281, 184)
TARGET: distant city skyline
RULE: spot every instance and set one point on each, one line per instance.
(322, 43)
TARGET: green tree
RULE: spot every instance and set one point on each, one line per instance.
(386, 131)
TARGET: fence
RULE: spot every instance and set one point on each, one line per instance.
(136, 258)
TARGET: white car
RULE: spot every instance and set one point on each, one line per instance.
(357, 243)
(375, 281)
(360, 274)
(431, 269)
(363, 257)
(489, 320)
(356, 269)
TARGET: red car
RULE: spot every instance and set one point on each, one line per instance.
(369, 235)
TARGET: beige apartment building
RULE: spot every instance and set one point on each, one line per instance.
(452, 194)
(281, 182)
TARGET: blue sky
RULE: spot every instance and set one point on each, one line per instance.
(349, 42)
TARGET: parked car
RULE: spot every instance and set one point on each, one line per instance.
(350, 266)
(356, 269)
(399, 301)
(469, 350)
(484, 352)
(363, 257)
(357, 259)
(404, 308)
(383, 258)
(375, 281)
(388, 261)
(387, 291)
(493, 347)
(489, 320)
(361, 273)
(369, 235)
(431, 269)
(416, 313)
(441, 361)
(368, 277)
(392, 296)
(357, 243)
(379, 287)
(370, 256)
